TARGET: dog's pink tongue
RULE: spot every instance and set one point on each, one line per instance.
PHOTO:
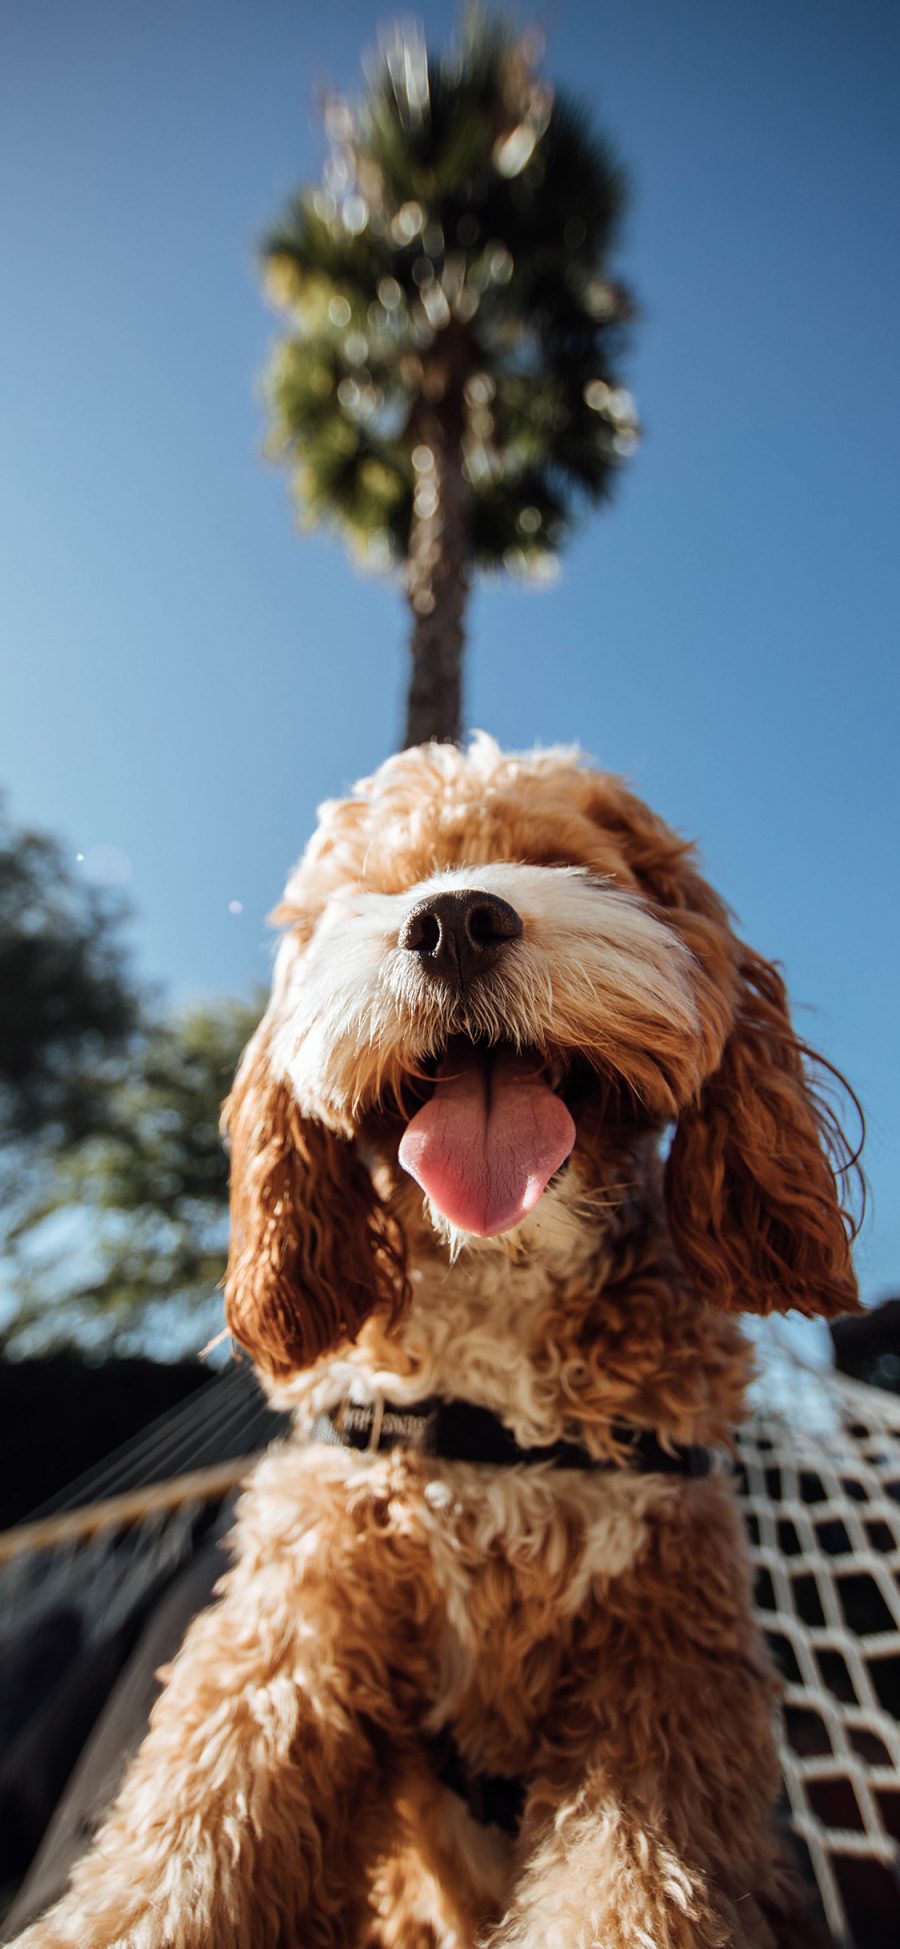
(486, 1144)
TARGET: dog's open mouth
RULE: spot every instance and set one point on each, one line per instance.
(490, 1136)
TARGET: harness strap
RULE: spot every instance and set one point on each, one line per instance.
(493, 1799)
(460, 1431)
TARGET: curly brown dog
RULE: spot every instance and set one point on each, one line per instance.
(485, 1668)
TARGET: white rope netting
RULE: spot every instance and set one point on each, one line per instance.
(820, 1478)
(820, 1473)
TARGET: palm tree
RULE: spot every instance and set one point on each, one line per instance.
(447, 394)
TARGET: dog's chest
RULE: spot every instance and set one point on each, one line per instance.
(514, 1554)
(518, 1556)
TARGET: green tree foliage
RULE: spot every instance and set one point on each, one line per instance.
(448, 391)
(70, 1006)
(114, 1175)
(125, 1237)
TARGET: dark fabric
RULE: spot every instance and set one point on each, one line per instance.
(458, 1431)
(32, 1662)
(116, 1736)
(35, 1766)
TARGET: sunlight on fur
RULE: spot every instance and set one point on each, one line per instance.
(524, 1130)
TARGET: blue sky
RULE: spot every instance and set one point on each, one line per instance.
(184, 677)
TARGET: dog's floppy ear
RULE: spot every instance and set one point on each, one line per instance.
(313, 1250)
(753, 1175)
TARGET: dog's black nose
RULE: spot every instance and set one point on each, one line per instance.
(457, 935)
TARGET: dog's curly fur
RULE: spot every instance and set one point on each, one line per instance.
(590, 1632)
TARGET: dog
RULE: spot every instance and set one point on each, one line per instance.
(524, 1130)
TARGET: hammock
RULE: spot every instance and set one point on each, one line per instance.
(822, 1502)
(819, 1470)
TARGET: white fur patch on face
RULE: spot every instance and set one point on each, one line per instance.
(592, 965)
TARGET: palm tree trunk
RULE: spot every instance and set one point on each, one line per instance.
(437, 578)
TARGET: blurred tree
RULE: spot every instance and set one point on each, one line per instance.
(127, 1232)
(448, 391)
(114, 1176)
(70, 1006)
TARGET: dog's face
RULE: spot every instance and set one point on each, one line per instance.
(496, 967)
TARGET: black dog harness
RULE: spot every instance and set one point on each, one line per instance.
(458, 1431)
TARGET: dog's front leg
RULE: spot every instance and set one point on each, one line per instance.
(601, 1877)
(232, 1826)
(650, 1822)
(246, 1816)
